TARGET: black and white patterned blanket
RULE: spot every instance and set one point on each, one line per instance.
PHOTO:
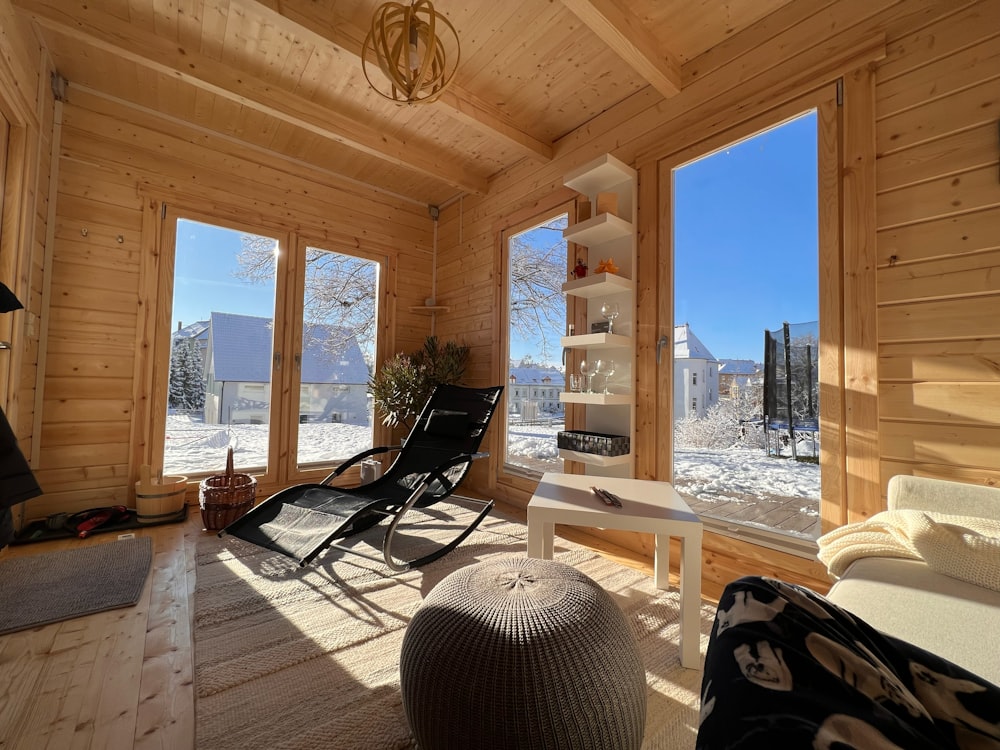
(786, 668)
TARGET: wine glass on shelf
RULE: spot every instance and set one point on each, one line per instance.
(587, 371)
(610, 311)
(597, 368)
(609, 370)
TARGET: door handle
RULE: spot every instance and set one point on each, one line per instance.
(661, 342)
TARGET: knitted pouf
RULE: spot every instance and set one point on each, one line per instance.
(522, 653)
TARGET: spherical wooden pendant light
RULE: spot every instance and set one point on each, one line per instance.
(404, 44)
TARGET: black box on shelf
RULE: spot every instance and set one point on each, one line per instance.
(601, 326)
(596, 443)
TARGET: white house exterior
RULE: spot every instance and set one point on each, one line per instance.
(533, 392)
(735, 375)
(333, 387)
(696, 375)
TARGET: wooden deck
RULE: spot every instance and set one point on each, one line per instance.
(792, 515)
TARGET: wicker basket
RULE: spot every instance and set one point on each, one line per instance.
(225, 497)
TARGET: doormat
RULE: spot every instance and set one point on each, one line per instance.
(38, 530)
(53, 586)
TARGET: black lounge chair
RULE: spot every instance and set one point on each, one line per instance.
(301, 521)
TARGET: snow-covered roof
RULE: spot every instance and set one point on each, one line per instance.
(241, 352)
(536, 375)
(689, 346)
(197, 330)
(739, 367)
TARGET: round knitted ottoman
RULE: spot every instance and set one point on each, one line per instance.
(522, 653)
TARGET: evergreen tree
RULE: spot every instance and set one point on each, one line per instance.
(187, 389)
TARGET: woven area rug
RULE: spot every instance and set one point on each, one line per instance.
(290, 658)
(39, 589)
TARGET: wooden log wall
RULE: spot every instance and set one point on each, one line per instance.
(938, 239)
(935, 168)
(112, 178)
(28, 108)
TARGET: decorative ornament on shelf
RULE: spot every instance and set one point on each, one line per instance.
(404, 45)
(580, 269)
(606, 266)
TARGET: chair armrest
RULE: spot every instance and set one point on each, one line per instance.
(358, 457)
(943, 496)
(438, 471)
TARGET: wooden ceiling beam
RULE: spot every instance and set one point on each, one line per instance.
(113, 35)
(302, 16)
(622, 31)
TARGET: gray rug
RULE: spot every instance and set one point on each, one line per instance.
(39, 589)
(290, 658)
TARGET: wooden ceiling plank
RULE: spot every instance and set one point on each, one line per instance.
(461, 103)
(110, 34)
(621, 30)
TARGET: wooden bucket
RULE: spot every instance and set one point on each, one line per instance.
(158, 500)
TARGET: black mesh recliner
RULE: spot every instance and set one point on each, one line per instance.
(301, 521)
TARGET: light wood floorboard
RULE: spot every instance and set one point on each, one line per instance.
(124, 678)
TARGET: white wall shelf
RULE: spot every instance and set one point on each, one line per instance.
(602, 399)
(600, 174)
(598, 285)
(596, 341)
(601, 228)
(604, 237)
(595, 460)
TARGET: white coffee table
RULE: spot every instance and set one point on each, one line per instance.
(649, 506)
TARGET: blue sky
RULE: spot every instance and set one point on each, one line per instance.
(745, 235)
(203, 276)
(746, 240)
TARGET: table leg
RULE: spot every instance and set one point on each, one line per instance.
(661, 561)
(540, 538)
(690, 596)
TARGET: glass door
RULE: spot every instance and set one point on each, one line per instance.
(224, 348)
(337, 323)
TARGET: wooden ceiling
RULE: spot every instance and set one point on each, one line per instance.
(286, 76)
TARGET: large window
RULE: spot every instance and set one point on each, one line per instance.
(536, 257)
(272, 342)
(753, 232)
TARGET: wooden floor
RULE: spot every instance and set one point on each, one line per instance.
(124, 678)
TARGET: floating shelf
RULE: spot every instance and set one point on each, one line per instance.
(598, 284)
(593, 459)
(596, 341)
(609, 399)
(599, 174)
(601, 228)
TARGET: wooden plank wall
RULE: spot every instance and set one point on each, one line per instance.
(28, 106)
(938, 138)
(111, 166)
(775, 59)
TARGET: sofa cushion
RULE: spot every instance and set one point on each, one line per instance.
(957, 620)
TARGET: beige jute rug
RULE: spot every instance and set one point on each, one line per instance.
(290, 658)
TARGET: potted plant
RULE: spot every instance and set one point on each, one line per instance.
(403, 384)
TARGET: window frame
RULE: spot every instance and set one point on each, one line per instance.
(507, 475)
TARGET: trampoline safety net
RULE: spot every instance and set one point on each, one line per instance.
(791, 383)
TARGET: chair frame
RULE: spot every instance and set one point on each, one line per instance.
(395, 509)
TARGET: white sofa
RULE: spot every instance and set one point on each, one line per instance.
(956, 620)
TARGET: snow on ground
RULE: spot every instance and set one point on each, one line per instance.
(193, 447)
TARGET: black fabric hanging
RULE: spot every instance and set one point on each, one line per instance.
(8, 300)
